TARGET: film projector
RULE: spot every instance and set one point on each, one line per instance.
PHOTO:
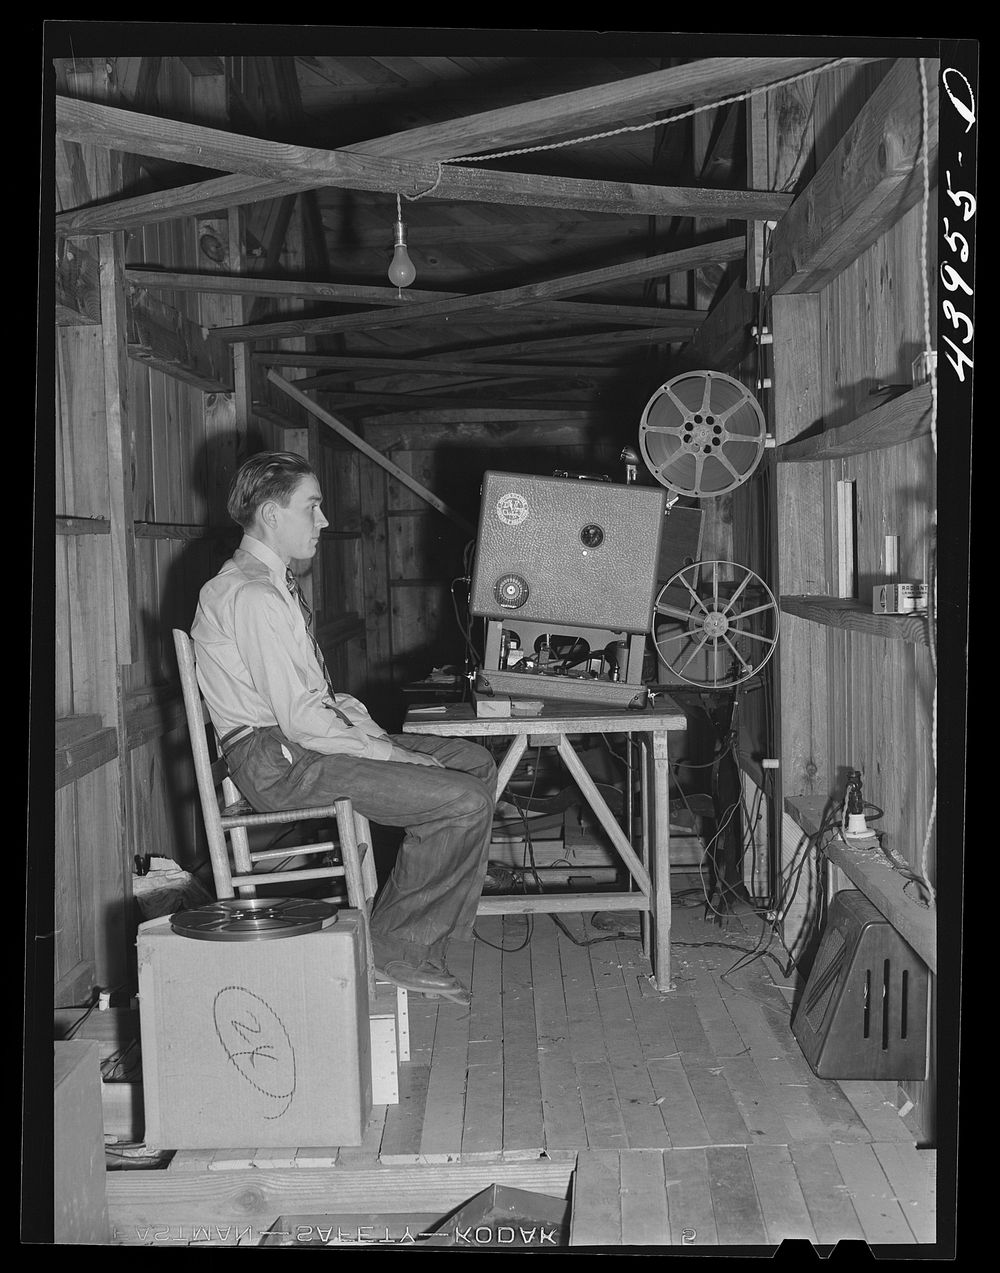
(572, 575)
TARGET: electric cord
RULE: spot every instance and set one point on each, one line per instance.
(533, 870)
(465, 626)
(529, 926)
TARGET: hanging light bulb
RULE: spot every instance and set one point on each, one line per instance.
(401, 270)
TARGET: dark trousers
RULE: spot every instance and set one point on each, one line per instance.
(433, 890)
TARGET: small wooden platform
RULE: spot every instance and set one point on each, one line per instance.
(660, 1111)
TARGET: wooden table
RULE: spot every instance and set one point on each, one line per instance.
(650, 867)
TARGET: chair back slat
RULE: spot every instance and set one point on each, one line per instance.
(353, 831)
(194, 709)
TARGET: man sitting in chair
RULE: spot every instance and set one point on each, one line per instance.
(291, 741)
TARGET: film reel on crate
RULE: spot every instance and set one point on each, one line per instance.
(715, 624)
(253, 918)
(702, 434)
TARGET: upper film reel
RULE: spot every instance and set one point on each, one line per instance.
(702, 434)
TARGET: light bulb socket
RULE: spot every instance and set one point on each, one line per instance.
(400, 233)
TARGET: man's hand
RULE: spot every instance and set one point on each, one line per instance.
(405, 757)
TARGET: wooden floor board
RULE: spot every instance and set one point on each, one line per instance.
(734, 1198)
(646, 1004)
(636, 1098)
(562, 1110)
(317, 1157)
(913, 1187)
(523, 1132)
(645, 1215)
(689, 1199)
(596, 1219)
(764, 1123)
(365, 1155)
(876, 1112)
(601, 1111)
(582, 1012)
(835, 1112)
(873, 1196)
(826, 1196)
(788, 1091)
(729, 1051)
(705, 1075)
(779, 1193)
(482, 1131)
(232, 1159)
(444, 1112)
(423, 1023)
(191, 1160)
(838, 1114)
(676, 1101)
(404, 1121)
(286, 1157)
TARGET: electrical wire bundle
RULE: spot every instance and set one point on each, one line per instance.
(463, 619)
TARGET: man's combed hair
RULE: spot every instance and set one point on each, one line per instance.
(269, 475)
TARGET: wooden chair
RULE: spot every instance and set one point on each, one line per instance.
(228, 817)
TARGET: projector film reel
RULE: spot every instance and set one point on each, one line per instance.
(702, 434)
(253, 918)
(715, 624)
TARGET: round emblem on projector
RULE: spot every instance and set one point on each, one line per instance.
(511, 592)
(512, 508)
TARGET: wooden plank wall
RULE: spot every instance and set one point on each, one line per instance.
(89, 877)
(850, 699)
(425, 555)
(140, 797)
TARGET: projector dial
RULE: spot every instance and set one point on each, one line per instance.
(511, 592)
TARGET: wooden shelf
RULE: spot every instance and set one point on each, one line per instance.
(77, 756)
(870, 872)
(839, 612)
(900, 420)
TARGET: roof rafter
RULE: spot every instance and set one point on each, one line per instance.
(719, 250)
(356, 293)
(262, 169)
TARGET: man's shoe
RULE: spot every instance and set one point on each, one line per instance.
(433, 983)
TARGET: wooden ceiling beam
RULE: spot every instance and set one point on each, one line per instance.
(351, 293)
(418, 382)
(408, 401)
(432, 366)
(684, 259)
(689, 84)
(266, 170)
(597, 107)
(160, 337)
(871, 178)
(78, 286)
(358, 442)
(581, 345)
(430, 429)
(724, 338)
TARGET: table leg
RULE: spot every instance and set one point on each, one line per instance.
(659, 858)
(507, 766)
(604, 815)
(646, 832)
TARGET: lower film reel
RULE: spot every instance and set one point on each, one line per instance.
(702, 434)
(715, 625)
(253, 918)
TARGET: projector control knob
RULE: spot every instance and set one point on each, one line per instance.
(511, 592)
